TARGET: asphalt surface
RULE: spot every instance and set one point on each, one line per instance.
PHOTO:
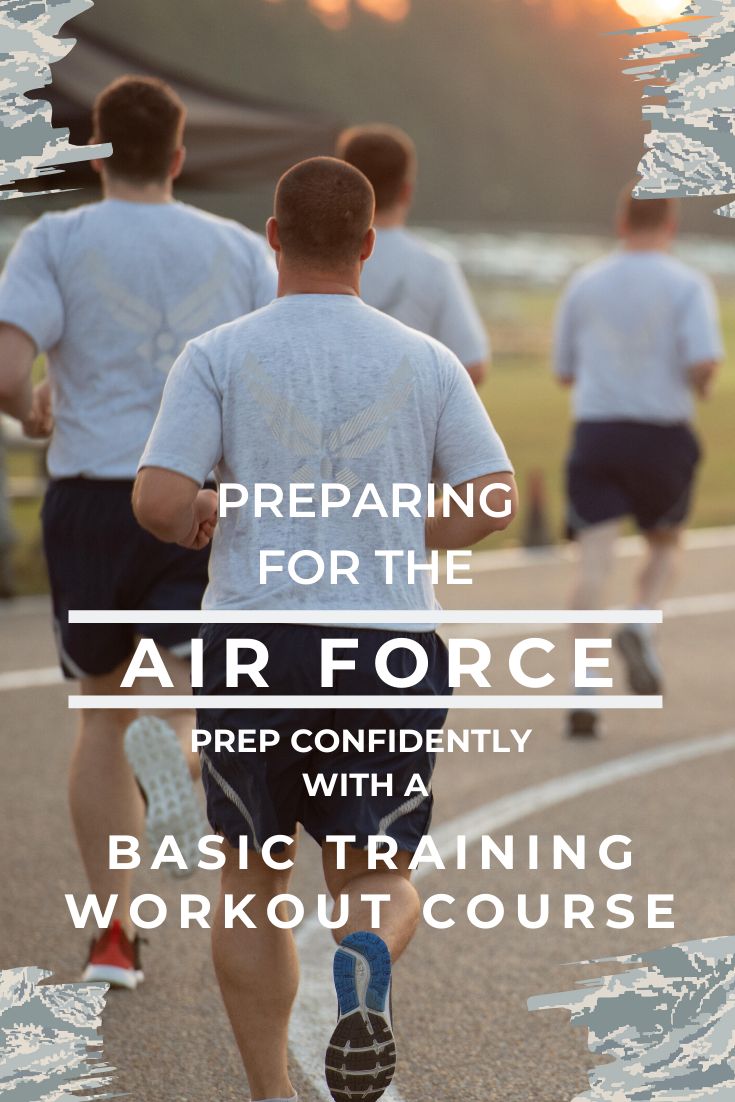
(463, 1030)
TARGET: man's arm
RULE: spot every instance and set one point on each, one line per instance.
(39, 422)
(173, 509)
(702, 377)
(477, 372)
(469, 454)
(184, 446)
(459, 325)
(17, 354)
(564, 346)
(700, 337)
(32, 313)
(455, 531)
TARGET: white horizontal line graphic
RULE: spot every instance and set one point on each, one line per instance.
(371, 618)
(265, 702)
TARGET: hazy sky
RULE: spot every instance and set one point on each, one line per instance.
(337, 12)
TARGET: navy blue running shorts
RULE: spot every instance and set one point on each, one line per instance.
(263, 794)
(629, 468)
(99, 557)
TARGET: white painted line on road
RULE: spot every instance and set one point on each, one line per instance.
(30, 679)
(314, 1016)
(518, 558)
(676, 609)
(698, 605)
(363, 703)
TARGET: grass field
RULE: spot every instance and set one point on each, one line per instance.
(530, 411)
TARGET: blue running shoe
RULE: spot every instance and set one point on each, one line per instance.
(361, 1056)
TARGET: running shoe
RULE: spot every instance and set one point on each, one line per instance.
(114, 959)
(361, 1056)
(645, 675)
(172, 808)
(583, 723)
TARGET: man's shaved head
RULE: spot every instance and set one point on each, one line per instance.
(385, 154)
(143, 118)
(645, 215)
(324, 208)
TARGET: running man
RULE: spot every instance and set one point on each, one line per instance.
(111, 292)
(638, 338)
(420, 284)
(317, 388)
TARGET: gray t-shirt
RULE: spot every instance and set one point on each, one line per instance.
(424, 287)
(112, 292)
(629, 329)
(320, 389)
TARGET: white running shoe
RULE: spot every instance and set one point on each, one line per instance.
(645, 675)
(172, 808)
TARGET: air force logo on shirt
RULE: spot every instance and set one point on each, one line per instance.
(163, 330)
(325, 453)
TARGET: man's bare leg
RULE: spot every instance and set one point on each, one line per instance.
(103, 794)
(398, 918)
(360, 1058)
(258, 974)
(595, 550)
(182, 722)
(158, 748)
(635, 642)
(660, 568)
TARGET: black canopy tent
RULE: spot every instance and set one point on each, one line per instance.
(229, 138)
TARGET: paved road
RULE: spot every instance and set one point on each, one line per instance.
(460, 998)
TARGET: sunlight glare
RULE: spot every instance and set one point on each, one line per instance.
(651, 12)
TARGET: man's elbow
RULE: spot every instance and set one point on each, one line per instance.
(502, 514)
(153, 510)
(477, 372)
(17, 353)
(501, 523)
(7, 388)
(703, 375)
(13, 382)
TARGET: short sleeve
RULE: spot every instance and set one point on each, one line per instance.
(30, 297)
(467, 444)
(187, 435)
(700, 335)
(458, 322)
(565, 366)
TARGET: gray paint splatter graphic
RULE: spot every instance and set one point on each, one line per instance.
(30, 145)
(50, 1043)
(668, 1027)
(691, 145)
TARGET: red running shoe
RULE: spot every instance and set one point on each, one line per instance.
(114, 959)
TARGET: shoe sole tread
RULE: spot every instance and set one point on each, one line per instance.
(361, 1057)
